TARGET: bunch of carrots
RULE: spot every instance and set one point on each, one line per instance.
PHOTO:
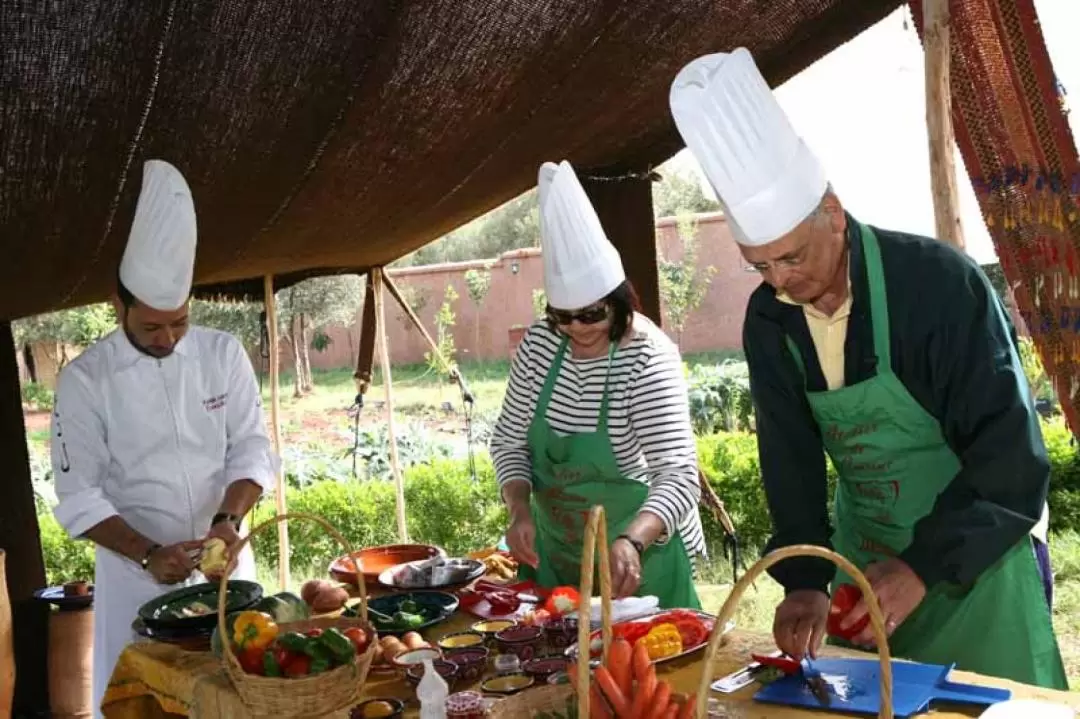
(626, 687)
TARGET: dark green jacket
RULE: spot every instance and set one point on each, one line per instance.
(954, 349)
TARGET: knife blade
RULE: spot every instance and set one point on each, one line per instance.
(816, 683)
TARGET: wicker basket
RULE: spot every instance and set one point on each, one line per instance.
(555, 698)
(331, 691)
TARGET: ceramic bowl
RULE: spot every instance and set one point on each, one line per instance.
(561, 633)
(461, 640)
(490, 627)
(446, 669)
(378, 708)
(374, 561)
(522, 640)
(542, 667)
(507, 684)
(416, 657)
(471, 662)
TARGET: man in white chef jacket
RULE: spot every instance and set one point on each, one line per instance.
(158, 440)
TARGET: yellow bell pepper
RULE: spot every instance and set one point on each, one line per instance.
(663, 640)
(254, 630)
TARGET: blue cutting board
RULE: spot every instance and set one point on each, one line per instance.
(858, 688)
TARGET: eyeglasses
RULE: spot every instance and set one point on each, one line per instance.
(588, 316)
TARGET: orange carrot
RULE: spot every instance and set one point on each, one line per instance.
(598, 708)
(620, 658)
(641, 661)
(659, 703)
(643, 696)
(687, 711)
(611, 690)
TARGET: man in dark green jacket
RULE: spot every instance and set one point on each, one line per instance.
(892, 354)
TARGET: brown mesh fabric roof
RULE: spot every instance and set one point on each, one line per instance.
(340, 133)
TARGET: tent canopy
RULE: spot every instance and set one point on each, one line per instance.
(342, 134)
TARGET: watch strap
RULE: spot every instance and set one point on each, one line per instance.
(226, 517)
(145, 561)
(635, 543)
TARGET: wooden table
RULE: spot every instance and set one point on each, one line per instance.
(160, 680)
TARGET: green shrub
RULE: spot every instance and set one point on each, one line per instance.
(37, 396)
(1064, 476)
(66, 560)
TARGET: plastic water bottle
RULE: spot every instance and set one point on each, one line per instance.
(432, 692)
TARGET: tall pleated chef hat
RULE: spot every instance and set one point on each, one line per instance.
(159, 259)
(581, 266)
(765, 176)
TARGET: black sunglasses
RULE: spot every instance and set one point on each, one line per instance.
(588, 316)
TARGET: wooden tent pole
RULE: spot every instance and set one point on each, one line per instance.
(939, 124)
(377, 277)
(275, 426)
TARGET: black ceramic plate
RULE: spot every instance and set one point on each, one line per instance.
(436, 606)
(56, 597)
(163, 613)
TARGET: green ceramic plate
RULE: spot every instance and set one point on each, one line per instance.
(186, 608)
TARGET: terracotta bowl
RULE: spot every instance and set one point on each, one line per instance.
(449, 671)
(521, 640)
(374, 561)
(471, 662)
(561, 633)
(542, 667)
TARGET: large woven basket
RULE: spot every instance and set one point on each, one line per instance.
(556, 698)
(316, 695)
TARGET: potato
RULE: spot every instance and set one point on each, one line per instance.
(215, 559)
(312, 588)
(329, 599)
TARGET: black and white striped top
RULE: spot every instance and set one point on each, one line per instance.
(648, 418)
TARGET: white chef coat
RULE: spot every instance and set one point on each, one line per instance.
(155, 441)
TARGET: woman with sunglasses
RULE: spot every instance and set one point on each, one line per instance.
(596, 412)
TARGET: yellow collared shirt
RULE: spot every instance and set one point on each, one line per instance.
(829, 334)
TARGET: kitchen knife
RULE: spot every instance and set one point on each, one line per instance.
(816, 683)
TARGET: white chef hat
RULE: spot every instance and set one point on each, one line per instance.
(581, 265)
(159, 259)
(765, 176)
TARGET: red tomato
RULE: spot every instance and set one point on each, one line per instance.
(282, 656)
(298, 666)
(312, 632)
(562, 600)
(844, 599)
(693, 632)
(358, 637)
(251, 660)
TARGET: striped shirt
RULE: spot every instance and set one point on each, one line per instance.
(648, 418)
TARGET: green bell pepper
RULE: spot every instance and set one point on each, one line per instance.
(339, 646)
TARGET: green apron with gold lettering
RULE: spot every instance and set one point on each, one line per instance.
(573, 473)
(893, 462)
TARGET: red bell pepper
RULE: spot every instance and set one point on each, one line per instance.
(844, 599)
(562, 601)
(784, 663)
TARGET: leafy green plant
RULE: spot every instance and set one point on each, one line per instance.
(720, 398)
(445, 319)
(1042, 387)
(539, 298)
(36, 396)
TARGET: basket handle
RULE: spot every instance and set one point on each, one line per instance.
(877, 621)
(595, 544)
(226, 641)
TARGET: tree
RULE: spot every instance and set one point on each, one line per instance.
(680, 193)
(539, 303)
(309, 307)
(243, 320)
(683, 284)
(511, 226)
(445, 319)
(478, 284)
(79, 327)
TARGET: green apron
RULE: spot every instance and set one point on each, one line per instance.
(893, 462)
(571, 475)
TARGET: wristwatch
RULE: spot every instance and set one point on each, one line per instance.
(635, 543)
(225, 517)
(145, 561)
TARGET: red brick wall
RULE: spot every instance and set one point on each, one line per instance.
(715, 325)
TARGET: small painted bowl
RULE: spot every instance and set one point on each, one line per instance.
(507, 684)
(461, 640)
(471, 662)
(540, 668)
(490, 627)
(561, 633)
(379, 708)
(522, 640)
(447, 670)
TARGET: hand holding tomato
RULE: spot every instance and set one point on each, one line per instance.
(899, 592)
(844, 599)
